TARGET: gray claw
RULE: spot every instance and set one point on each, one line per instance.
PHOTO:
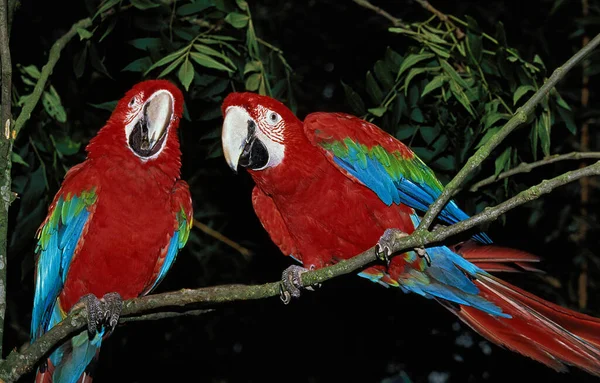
(94, 313)
(389, 240)
(423, 254)
(113, 303)
(291, 283)
(103, 312)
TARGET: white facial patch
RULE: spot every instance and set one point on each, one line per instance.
(270, 132)
(160, 114)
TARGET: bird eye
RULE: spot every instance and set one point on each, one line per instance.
(132, 102)
(274, 118)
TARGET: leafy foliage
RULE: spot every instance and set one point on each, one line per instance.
(453, 90)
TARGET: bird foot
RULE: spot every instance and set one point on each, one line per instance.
(102, 312)
(291, 283)
(389, 240)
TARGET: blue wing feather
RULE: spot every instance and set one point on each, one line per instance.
(58, 240)
(397, 188)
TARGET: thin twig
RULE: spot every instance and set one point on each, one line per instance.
(5, 156)
(215, 234)
(442, 16)
(19, 363)
(53, 57)
(519, 118)
(395, 21)
(527, 167)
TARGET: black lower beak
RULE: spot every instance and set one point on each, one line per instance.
(255, 155)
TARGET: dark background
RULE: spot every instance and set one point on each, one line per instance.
(350, 329)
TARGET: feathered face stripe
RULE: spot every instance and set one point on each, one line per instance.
(270, 124)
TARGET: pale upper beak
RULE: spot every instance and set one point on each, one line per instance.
(149, 129)
(234, 136)
(159, 111)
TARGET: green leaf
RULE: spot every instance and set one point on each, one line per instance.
(453, 74)
(502, 161)
(417, 116)
(411, 60)
(567, 117)
(560, 101)
(373, 89)
(429, 133)
(109, 105)
(111, 26)
(383, 74)
(146, 43)
(209, 62)
(106, 6)
(253, 81)
(53, 106)
(143, 4)
(393, 59)
(139, 65)
(413, 72)
(171, 67)
(17, 159)
(435, 83)
(520, 92)
(491, 118)
(65, 145)
(237, 20)
(253, 66)
(439, 51)
(186, 74)
(354, 100)
(460, 95)
(213, 52)
(242, 4)
(445, 163)
(378, 111)
(31, 71)
(84, 34)
(543, 131)
(167, 59)
(195, 7)
(475, 45)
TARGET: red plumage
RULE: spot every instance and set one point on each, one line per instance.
(318, 211)
(138, 202)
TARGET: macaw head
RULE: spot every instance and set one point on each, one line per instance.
(256, 131)
(143, 125)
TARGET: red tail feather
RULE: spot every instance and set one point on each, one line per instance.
(496, 258)
(541, 330)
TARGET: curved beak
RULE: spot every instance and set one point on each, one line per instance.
(241, 146)
(234, 134)
(148, 134)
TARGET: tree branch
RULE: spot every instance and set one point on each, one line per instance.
(395, 21)
(145, 308)
(53, 57)
(519, 118)
(5, 155)
(527, 167)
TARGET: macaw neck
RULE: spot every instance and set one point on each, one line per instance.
(110, 145)
(301, 167)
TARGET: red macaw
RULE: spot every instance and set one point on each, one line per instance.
(115, 226)
(334, 185)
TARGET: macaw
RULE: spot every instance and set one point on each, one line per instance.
(114, 228)
(332, 186)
